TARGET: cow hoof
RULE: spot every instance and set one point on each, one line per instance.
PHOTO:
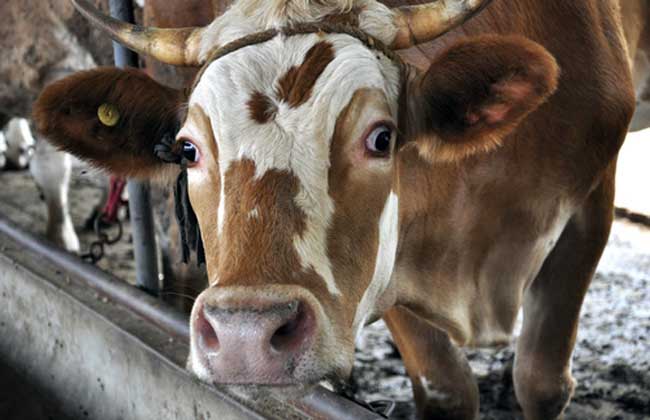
(65, 237)
(545, 399)
(70, 242)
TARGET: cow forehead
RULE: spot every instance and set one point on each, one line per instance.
(229, 85)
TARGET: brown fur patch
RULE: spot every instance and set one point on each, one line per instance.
(262, 109)
(296, 85)
(254, 248)
(350, 18)
(270, 233)
(359, 191)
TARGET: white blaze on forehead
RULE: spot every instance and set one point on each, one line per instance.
(298, 139)
(384, 263)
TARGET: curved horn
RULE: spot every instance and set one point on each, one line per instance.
(426, 22)
(178, 47)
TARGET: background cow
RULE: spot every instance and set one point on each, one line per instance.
(334, 185)
(43, 41)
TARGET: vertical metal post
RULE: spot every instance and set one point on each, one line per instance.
(142, 223)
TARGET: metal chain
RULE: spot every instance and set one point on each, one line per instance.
(96, 251)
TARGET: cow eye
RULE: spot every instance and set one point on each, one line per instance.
(190, 152)
(379, 141)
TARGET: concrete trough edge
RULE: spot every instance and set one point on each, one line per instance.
(105, 349)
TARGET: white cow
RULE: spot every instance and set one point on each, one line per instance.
(51, 170)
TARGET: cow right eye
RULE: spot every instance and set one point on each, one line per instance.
(378, 143)
(191, 152)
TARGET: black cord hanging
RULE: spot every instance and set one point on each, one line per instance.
(188, 224)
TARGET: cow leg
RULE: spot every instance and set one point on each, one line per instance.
(443, 384)
(542, 374)
(51, 170)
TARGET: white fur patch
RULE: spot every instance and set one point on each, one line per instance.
(384, 263)
(20, 142)
(431, 393)
(298, 139)
(3, 149)
(254, 214)
(221, 211)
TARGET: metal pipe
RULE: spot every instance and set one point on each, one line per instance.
(142, 222)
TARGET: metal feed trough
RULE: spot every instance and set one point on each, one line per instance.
(105, 350)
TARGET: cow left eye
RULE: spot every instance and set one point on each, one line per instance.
(379, 141)
(190, 152)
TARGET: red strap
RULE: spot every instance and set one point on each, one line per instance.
(114, 202)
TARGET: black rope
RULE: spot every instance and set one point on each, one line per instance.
(188, 226)
(187, 221)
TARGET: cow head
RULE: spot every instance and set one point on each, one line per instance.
(291, 139)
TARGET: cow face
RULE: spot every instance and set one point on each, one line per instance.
(293, 173)
(292, 186)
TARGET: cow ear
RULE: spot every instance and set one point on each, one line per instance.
(111, 118)
(477, 92)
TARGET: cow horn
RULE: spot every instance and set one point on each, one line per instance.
(426, 22)
(178, 47)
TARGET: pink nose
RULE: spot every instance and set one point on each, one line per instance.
(261, 342)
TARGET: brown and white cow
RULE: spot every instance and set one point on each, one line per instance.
(335, 184)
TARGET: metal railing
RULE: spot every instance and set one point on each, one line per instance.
(142, 221)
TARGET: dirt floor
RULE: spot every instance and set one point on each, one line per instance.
(611, 361)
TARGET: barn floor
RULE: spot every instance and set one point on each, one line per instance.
(611, 361)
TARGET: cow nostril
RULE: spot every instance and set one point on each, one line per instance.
(293, 332)
(208, 339)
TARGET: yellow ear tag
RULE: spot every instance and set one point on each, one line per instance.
(108, 115)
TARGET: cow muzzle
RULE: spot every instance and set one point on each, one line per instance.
(254, 337)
